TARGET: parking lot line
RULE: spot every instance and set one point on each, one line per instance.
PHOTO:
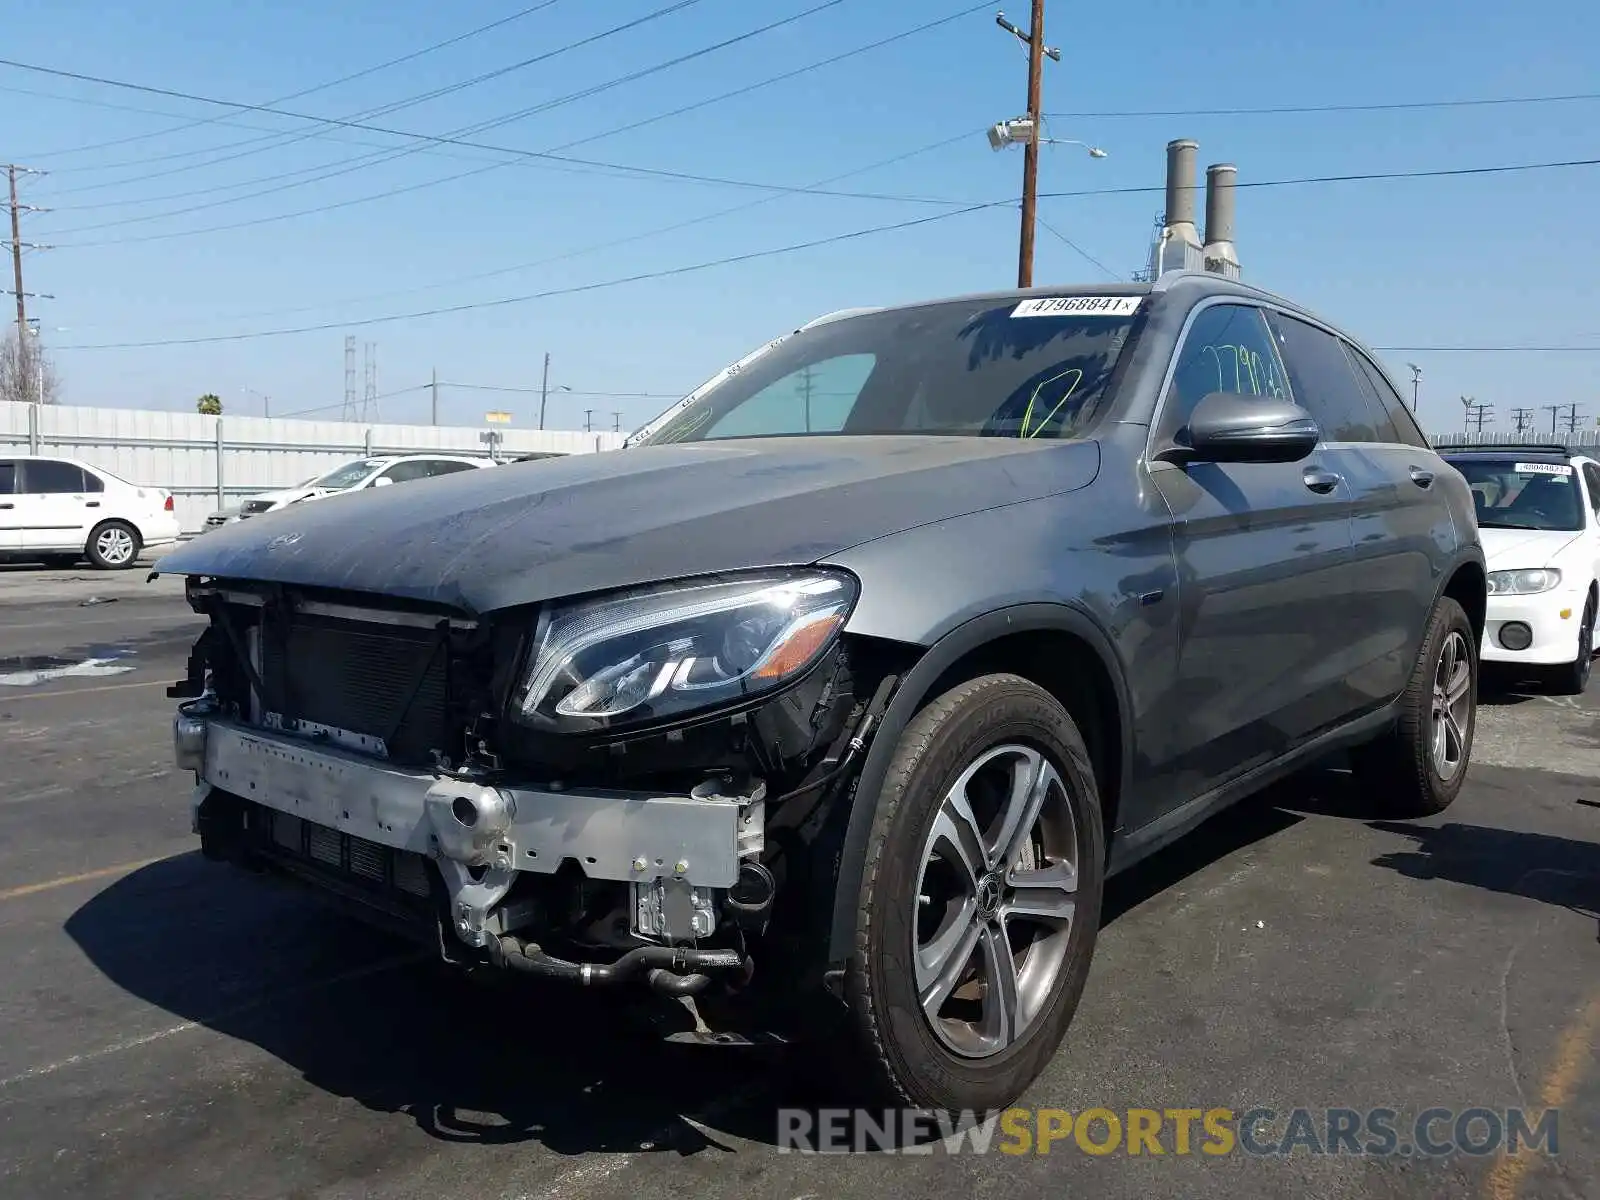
(29, 889)
(350, 976)
(1573, 1055)
(104, 687)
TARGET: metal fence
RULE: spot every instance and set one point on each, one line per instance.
(1575, 439)
(208, 463)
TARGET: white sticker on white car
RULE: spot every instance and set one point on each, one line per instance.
(1542, 469)
(1079, 306)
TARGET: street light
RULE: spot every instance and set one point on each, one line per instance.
(1416, 376)
(265, 400)
(1019, 131)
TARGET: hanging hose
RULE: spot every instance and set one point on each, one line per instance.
(672, 969)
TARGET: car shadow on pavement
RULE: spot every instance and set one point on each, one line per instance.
(499, 1061)
(1536, 866)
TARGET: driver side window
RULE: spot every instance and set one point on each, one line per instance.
(1227, 349)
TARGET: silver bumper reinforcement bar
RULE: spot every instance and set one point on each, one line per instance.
(480, 836)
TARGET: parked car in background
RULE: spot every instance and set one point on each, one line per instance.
(378, 471)
(1538, 507)
(832, 700)
(62, 510)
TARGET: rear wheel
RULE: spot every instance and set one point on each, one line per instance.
(113, 546)
(981, 902)
(1573, 678)
(1417, 768)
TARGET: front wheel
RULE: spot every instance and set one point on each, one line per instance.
(1418, 767)
(980, 905)
(1572, 679)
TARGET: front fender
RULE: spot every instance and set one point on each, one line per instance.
(909, 697)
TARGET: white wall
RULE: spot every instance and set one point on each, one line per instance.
(179, 451)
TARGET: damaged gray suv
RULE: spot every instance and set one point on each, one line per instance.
(831, 701)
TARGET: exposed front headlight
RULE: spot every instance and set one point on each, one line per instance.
(1523, 583)
(667, 651)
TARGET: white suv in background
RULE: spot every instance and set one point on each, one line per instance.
(58, 510)
(1539, 520)
(378, 471)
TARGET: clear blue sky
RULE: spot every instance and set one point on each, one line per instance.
(1492, 260)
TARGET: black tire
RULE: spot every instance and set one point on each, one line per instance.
(1573, 678)
(905, 1061)
(117, 532)
(1398, 771)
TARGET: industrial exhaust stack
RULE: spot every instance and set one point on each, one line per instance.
(1220, 256)
(1178, 246)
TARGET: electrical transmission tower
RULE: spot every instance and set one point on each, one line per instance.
(1555, 413)
(349, 413)
(369, 398)
(30, 358)
(1523, 417)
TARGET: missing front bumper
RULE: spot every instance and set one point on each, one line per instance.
(480, 837)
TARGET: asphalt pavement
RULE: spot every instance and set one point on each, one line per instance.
(170, 1027)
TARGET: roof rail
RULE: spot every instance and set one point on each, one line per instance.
(1533, 447)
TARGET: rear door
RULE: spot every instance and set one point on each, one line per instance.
(53, 504)
(1262, 550)
(1401, 528)
(10, 518)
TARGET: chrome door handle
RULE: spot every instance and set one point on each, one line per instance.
(1421, 478)
(1320, 481)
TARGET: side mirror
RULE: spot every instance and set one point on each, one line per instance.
(1229, 427)
(382, 481)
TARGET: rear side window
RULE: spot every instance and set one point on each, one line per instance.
(405, 472)
(93, 482)
(46, 475)
(1324, 382)
(8, 478)
(1404, 424)
(1228, 349)
(444, 466)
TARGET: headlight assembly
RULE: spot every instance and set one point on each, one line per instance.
(1523, 583)
(668, 651)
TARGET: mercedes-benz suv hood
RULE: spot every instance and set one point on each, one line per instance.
(483, 540)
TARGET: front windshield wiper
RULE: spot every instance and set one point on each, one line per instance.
(1524, 528)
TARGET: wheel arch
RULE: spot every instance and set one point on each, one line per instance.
(1467, 583)
(1060, 648)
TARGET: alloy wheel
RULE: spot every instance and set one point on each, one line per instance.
(996, 899)
(1452, 706)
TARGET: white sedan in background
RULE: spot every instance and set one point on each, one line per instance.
(1539, 518)
(378, 471)
(59, 510)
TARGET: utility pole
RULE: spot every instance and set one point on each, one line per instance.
(1477, 411)
(436, 395)
(17, 208)
(1523, 417)
(1034, 39)
(588, 423)
(1572, 418)
(544, 388)
(1554, 410)
(349, 413)
(616, 422)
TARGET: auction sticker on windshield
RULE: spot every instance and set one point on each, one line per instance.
(1079, 306)
(1542, 469)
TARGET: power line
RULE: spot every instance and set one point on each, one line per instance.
(290, 137)
(321, 87)
(1307, 109)
(362, 162)
(553, 152)
(759, 254)
(609, 244)
(666, 273)
(1081, 251)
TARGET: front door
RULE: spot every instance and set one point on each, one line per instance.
(54, 504)
(1261, 552)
